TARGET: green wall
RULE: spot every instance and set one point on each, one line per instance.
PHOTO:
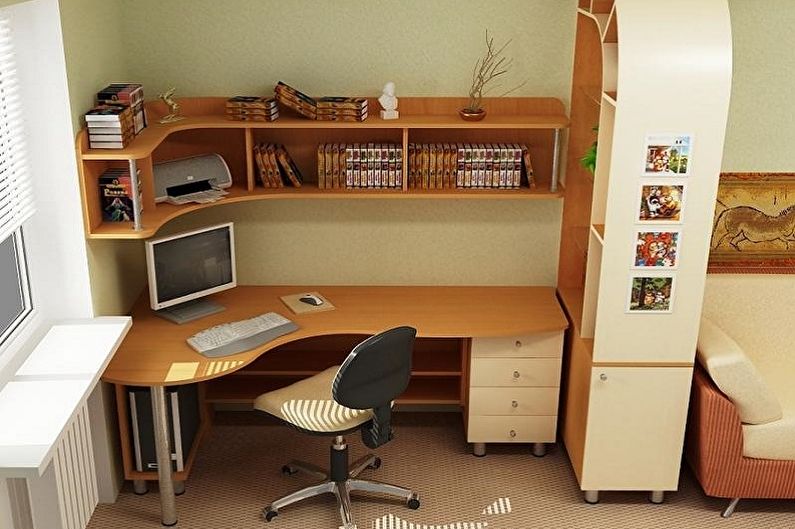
(757, 309)
(205, 47)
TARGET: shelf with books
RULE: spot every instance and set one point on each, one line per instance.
(535, 122)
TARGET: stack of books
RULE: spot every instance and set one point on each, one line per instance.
(324, 108)
(116, 198)
(359, 165)
(469, 165)
(296, 100)
(110, 126)
(127, 94)
(341, 109)
(252, 108)
(275, 166)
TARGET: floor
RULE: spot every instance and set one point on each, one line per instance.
(237, 472)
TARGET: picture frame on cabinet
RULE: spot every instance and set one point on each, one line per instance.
(660, 203)
(668, 155)
(656, 249)
(651, 294)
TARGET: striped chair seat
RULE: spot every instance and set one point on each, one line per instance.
(309, 405)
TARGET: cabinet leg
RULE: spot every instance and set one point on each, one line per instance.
(179, 488)
(591, 496)
(539, 449)
(140, 487)
(479, 449)
(657, 496)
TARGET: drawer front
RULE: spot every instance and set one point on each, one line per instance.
(519, 429)
(548, 345)
(515, 372)
(513, 401)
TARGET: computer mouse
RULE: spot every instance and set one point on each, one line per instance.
(310, 299)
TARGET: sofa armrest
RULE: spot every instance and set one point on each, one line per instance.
(714, 441)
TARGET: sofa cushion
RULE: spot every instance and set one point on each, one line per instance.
(773, 440)
(736, 376)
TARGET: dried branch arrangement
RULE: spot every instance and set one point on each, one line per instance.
(488, 68)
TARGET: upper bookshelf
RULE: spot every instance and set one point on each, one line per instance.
(535, 122)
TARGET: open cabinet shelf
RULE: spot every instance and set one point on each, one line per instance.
(535, 122)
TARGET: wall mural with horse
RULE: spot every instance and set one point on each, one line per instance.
(754, 227)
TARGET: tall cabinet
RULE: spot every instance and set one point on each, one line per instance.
(654, 77)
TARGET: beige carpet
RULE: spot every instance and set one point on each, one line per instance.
(237, 472)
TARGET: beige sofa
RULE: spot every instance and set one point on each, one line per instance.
(741, 430)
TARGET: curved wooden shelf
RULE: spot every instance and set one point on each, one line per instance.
(206, 129)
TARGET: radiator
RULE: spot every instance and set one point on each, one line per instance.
(75, 476)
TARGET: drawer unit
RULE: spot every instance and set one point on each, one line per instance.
(532, 346)
(514, 384)
(515, 372)
(519, 429)
(513, 401)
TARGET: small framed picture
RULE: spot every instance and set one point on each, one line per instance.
(661, 203)
(656, 249)
(668, 155)
(651, 294)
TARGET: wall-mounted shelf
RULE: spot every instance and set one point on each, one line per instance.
(535, 122)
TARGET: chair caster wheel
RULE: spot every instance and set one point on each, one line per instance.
(269, 514)
(287, 470)
(375, 464)
(414, 502)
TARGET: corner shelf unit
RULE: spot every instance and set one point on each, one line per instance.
(628, 378)
(536, 122)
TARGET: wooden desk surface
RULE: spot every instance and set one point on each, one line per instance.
(155, 351)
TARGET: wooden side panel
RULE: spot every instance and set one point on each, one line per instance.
(585, 97)
(577, 387)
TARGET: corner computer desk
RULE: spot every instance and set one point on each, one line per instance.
(511, 342)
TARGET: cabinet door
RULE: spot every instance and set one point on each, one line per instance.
(635, 429)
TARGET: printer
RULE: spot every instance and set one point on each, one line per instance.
(186, 176)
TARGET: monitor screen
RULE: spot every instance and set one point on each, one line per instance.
(190, 265)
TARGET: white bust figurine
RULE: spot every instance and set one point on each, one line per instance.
(389, 102)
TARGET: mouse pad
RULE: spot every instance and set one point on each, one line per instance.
(294, 303)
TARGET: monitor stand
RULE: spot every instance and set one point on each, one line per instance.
(190, 310)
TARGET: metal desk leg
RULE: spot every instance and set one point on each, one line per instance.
(168, 505)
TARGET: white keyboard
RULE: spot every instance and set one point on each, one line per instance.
(201, 197)
(236, 336)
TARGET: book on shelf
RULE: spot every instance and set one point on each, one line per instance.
(252, 108)
(288, 166)
(126, 94)
(469, 165)
(116, 197)
(324, 108)
(360, 165)
(110, 126)
(275, 173)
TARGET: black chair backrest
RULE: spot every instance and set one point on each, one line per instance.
(373, 375)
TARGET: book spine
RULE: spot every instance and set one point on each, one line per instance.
(321, 166)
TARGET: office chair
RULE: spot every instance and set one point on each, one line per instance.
(357, 395)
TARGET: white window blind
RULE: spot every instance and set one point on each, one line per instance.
(16, 198)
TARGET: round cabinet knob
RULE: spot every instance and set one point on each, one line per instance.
(602, 377)
(516, 374)
(514, 404)
(512, 433)
(518, 344)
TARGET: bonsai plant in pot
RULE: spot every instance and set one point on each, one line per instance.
(486, 72)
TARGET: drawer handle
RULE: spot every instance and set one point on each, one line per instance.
(512, 433)
(518, 344)
(602, 377)
(514, 404)
(516, 374)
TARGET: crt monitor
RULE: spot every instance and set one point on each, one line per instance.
(185, 268)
